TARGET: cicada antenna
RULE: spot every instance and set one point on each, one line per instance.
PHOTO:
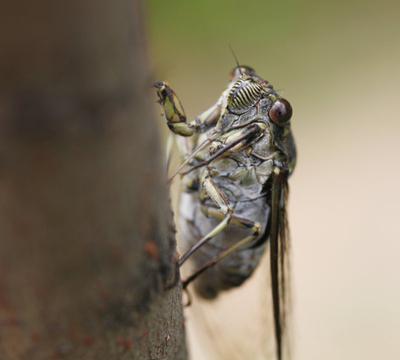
(236, 59)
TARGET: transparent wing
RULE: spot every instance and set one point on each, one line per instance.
(235, 326)
(279, 263)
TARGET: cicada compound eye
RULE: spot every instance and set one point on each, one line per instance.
(280, 112)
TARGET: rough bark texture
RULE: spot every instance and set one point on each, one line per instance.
(85, 243)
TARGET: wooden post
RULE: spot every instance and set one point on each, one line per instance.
(85, 241)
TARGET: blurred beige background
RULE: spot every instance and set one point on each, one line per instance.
(339, 65)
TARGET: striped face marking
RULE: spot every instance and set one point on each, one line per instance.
(244, 94)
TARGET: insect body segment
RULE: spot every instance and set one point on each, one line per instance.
(239, 154)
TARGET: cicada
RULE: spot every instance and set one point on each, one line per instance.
(236, 160)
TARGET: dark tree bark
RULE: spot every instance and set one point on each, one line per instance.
(85, 241)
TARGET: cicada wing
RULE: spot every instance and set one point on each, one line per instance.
(279, 263)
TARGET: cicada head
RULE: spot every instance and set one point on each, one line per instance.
(247, 91)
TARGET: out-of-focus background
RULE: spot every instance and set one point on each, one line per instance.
(339, 65)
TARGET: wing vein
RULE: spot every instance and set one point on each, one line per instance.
(279, 259)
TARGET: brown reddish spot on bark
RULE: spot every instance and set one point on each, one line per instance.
(11, 321)
(35, 337)
(125, 344)
(103, 293)
(144, 335)
(117, 253)
(73, 335)
(151, 250)
(88, 341)
(5, 303)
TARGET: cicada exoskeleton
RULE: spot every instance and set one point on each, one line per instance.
(237, 158)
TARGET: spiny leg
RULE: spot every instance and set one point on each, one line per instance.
(192, 155)
(177, 120)
(185, 133)
(237, 140)
(225, 209)
(255, 231)
(173, 110)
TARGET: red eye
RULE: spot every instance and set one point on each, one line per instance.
(280, 112)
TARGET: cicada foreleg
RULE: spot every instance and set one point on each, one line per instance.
(178, 123)
(175, 114)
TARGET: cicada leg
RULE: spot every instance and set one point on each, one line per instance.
(255, 232)
(225, 213)
(177, 121)
(173, 110)
(225, 209)
(175, 114)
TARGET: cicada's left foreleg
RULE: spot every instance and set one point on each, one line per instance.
(173, 110)
(187, 131)
(175, 114)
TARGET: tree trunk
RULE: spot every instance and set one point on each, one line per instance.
(86, 249)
